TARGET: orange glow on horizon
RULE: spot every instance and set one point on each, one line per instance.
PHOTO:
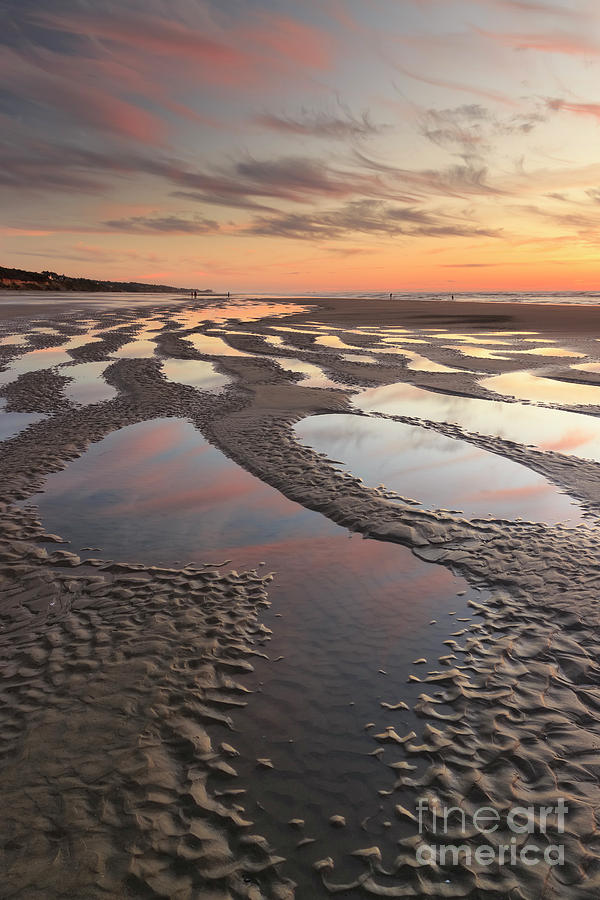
(445, 146)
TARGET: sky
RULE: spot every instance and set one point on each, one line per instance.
(303, 145)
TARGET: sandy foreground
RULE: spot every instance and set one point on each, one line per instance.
(112, 674)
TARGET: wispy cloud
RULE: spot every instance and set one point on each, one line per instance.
(356, 126)
(582, 224)
(294, 179)
(569, 43)
(82, 252)
(237, 52)
(452, 85)
(162, 225)
(43, 87)
(461, 180)
(128, 70)
(537, 7)
(374, 217)
(581, 109)
(227, 199)
(311, 123)
(471, 130)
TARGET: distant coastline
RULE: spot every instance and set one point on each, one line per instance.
(22, 280)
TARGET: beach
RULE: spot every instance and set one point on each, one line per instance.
(239, 644)
(562, 318)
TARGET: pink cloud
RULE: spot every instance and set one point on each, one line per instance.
(82, 100)
(128, 73)
(293, 40)
(457, 86)
(549, 42)
(149, 33)
(136, 81)
(244, 54)
(580, 109)
(9, 231)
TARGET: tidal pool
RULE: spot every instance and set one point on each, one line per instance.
(421, 363)
(473, 339)
(546, 429)
(551, 351)
(16, 339)
(587, 367)
(212, 345)
(300, 329)
(11, 423)
(333, 341)
(359, 357)
(526, 386)
(88, 385)
(33, 361)
(139, 348)
(159, 492)
(438, 471)
(509, 333)
(199, 373)
(275, 341)
(243, 310)
(312, 375)
(476, 352)
(349, 617)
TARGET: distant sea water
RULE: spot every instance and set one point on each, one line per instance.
(571, 298)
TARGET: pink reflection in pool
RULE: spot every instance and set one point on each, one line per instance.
(438, 471)
(547, 429)
(354, 614)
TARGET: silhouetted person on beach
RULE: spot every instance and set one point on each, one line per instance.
(228, 295)
(390, 296)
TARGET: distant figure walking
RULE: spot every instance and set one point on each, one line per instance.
(453, 296)
(390, 295)
(228, 295)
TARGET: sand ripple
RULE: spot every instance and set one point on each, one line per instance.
(108, 682)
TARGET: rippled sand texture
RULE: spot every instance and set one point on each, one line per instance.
(109, 682)
(515, 724)
(119, 682)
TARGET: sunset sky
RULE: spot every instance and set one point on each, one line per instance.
(439, 145)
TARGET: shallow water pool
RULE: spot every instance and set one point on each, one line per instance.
(546, 429)
(88, 385)
(438, 471)
(199, 373)
(11, 423)
(349, 618)
(312, 375)
(526, 386)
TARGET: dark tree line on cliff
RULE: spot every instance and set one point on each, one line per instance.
(21, 280)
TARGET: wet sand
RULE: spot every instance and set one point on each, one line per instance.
(115, 674)
(457, 315)
(563, 320)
